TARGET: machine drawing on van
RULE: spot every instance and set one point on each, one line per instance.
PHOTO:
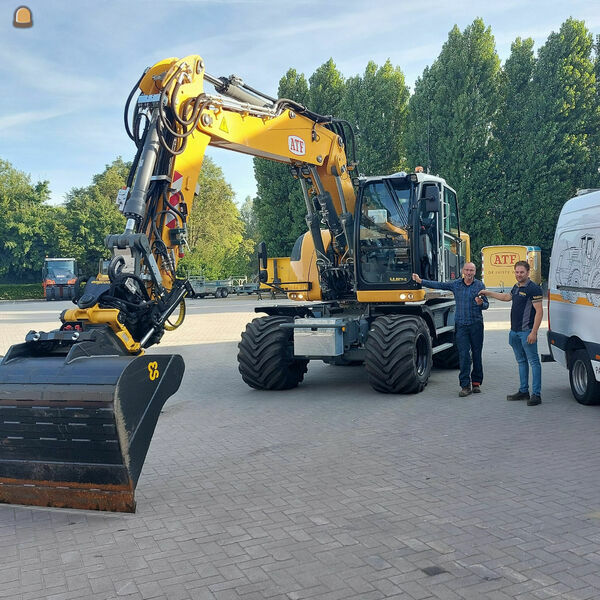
(578, 271)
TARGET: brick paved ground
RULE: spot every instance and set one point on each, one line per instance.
(330, 491)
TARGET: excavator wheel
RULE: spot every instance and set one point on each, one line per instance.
(398, 354)
(447, 359)
(266, 355)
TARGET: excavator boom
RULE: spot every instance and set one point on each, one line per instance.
(78, 405)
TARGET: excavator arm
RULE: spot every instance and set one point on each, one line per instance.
(175, 120)
(80, 403)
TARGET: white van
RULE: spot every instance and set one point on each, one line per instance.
(574, 295)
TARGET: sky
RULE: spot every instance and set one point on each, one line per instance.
(65, 80)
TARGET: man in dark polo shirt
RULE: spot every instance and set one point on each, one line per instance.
(525, 319)
(468, 325)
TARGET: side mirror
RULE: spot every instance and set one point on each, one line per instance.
(263, 276)
(432, 199)
(262, 256)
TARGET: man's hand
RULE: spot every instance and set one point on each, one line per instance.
(478, 300)
(416, 278)
(532, 337)
(484, 293)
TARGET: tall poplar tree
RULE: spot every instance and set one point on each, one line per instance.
(376, 103)
(452, 112)
(512, 135)
(563, 127)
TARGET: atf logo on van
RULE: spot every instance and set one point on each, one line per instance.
(503, 259)
(296, 145)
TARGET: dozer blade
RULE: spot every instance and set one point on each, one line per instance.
(75, 434)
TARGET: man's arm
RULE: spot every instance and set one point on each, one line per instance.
(537, 321)
(436, 285)
(505, 296)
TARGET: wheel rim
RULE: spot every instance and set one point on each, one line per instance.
(422, 355)
(580, 378)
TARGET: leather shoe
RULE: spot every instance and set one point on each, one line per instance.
(518, 396)
(534, 400)
(476, 389)
(464, 392)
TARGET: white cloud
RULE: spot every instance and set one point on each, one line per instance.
(29, 118)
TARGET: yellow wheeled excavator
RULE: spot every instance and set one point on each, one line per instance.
(79, 404)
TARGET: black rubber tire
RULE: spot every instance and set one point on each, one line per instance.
(224, 293)
(447, 359)
(266, 355)
(584, 386)
(398, 354)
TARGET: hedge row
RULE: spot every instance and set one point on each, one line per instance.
(21, 291)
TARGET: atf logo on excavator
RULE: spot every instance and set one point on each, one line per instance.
(296, 145)
(153, 372)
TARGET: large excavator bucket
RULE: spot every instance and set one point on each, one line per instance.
(75, 430)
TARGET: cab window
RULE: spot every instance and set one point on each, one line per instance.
(451, 216)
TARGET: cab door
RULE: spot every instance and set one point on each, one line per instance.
(453, 256)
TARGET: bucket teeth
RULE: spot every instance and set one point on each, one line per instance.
(76, 434)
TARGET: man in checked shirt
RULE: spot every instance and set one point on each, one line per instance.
(468, 321)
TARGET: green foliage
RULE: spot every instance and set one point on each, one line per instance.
(279, 206)
(327, 90)
(512, 141)
(377, 105)
(27, 291)
(563, 129)
(215, 230)
(31, 230)
(248, 216)
(451, 115)
(91, 215)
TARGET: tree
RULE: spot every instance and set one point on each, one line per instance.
(92, 214)
(512, 134)
(452, 113)
(563, 127)
(216, 230)
(248, 216)
(377, 104)
(279, 205)
(326, 90)
(31, 230)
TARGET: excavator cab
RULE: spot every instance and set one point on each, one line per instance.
(385, 254)
(403, 226)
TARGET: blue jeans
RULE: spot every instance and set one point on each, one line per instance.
(469, 343)
(527, 355)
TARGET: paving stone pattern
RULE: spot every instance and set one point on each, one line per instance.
(332, 491)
